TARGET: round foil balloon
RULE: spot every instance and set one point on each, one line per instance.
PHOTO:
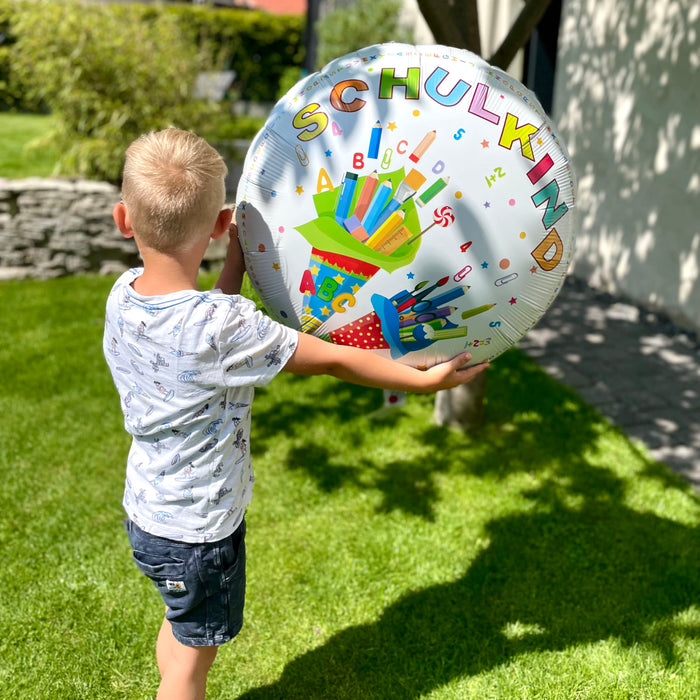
(412, 200)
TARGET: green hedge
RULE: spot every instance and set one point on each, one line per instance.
(109, 72)
(260, 47)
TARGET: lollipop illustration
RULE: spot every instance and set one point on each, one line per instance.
(444, 216)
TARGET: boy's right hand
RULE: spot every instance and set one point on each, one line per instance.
(452, 373)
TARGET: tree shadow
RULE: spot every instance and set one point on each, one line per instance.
(581, 566)
(547, 580)
(531, 424)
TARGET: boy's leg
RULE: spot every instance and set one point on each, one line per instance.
(183, 669)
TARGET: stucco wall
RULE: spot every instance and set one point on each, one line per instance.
(627, 101)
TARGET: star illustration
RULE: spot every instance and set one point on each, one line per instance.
(299, 189)
(329, 153)
(484, 265)
(485, 144)
(315, 270)
(391, 126)
(356, 288)
(325, 311)
(275, 266)
(533, 269)
(512, 301)
(410, 275)
(339, 278)
(539, 141)
(487, 205)
(307, 309)
(273, 193)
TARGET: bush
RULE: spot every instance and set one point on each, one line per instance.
(111, 72)
(361, 24)
(258, 46)
(106, 84)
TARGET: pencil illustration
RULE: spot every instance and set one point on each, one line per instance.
(346, 193)
(423, 146)
(432, 191)
(366, 195)
(375, 138)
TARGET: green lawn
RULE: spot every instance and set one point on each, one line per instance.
(545, 557)
(17, 159)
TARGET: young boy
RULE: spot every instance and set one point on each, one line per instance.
(185, 363)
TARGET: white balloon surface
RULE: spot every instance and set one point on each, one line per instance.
(412, 200)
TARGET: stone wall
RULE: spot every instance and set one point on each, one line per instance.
(55, 227)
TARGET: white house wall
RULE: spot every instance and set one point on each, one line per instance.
(627, 101)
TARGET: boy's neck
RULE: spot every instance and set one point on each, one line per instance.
(166, 273)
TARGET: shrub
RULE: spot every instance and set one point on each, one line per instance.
(258, 46)
(105, 83)
(361, 24)
(111, 72)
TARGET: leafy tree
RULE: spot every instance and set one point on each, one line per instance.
(363, 23)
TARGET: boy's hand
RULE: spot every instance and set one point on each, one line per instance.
(231, 277)
(452, 373)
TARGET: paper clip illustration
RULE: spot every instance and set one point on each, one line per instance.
(462, 273)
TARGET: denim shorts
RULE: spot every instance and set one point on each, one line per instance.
(202, 585)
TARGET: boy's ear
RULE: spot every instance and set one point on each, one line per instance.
(223, 221)
(121, 219)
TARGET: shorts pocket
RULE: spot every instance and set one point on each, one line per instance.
(233, 554)
(158, 567)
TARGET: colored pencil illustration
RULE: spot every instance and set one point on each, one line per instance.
(342, 209)
(477, 310)
(379, 201)
(392, 205)
(375, 139)
(432, 191)
(423, 146)
(363, 201)
(381, 235)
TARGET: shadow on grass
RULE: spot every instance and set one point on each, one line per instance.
(580, 567)
(545, 582)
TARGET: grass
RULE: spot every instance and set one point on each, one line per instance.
(544, 557)
(17, 158)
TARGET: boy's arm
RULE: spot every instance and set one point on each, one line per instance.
(231, 277)
(316, 356)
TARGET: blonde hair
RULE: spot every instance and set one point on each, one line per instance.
(173, 188)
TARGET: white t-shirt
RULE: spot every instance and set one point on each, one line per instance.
(185, 366)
